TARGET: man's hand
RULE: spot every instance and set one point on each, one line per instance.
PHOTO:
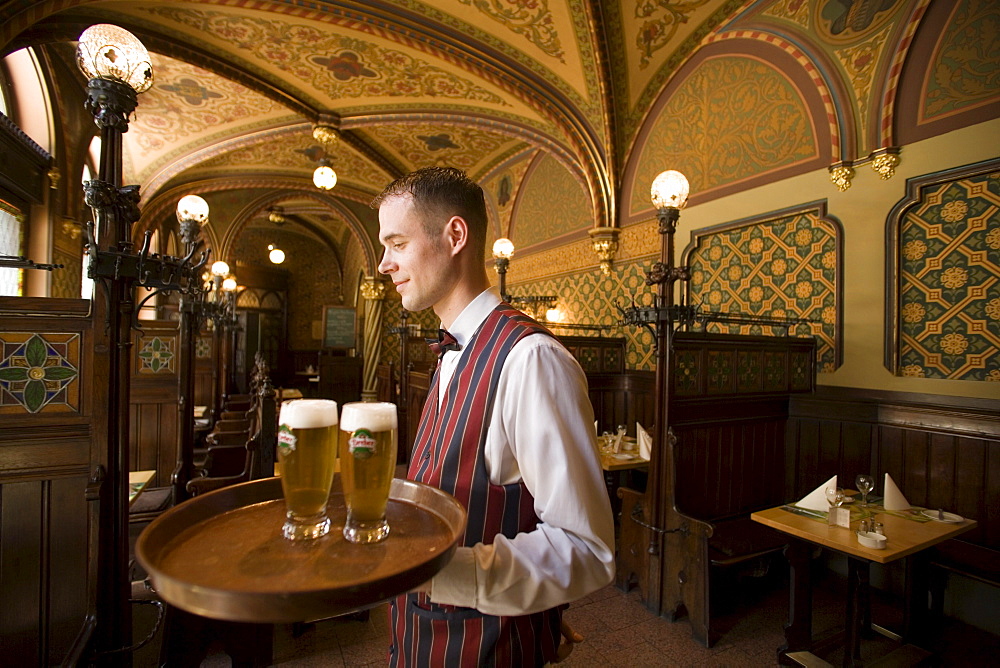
(570, 637)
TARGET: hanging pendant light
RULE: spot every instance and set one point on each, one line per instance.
(275, 254)
(324, 177)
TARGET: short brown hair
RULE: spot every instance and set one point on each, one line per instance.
(442, 192)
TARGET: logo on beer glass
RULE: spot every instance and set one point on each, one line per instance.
(361, 444)
(286, 438)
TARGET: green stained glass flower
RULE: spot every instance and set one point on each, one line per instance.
(36, 373)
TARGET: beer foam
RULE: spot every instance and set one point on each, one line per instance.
(374, 416)
(308, 413)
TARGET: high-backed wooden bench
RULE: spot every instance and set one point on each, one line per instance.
(721, 458)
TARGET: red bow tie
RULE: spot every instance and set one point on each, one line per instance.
(444, 343)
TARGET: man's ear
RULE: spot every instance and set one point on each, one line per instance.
(457, 234)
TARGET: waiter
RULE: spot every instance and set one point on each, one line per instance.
(508, 430)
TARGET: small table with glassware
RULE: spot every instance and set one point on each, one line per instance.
(619, 467)
(908, 534)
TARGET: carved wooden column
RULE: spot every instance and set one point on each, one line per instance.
(373, 291)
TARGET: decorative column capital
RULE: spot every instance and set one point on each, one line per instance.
(841, 175)
(605, 243)
(372, 288)
(884, 161)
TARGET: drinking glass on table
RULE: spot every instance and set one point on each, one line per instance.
(834, 496)
(307, 452)
(865, 483)
(367, 461)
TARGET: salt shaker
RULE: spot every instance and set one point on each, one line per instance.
(878, 528)
(863, 527)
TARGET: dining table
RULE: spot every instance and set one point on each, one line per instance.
(137, 482)
(620, 469)
(909, 534)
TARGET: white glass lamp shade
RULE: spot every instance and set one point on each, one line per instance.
(275, 254)
(220, 268)
(670, 190)
(229, 284)
(503, 248)
(109, 52)
(192, 208)
(324, 177)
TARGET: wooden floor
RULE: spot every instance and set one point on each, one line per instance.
(620, 631)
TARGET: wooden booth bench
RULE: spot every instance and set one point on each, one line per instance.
(722, 457)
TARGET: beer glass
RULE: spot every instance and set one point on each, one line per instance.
(307, 452)
(367, 462)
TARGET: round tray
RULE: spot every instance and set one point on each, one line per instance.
(222, 555)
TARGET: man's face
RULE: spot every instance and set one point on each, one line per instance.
(417, 263)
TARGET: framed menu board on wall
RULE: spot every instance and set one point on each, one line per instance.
(339, 327)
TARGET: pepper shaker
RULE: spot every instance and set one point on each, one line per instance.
(878, 528)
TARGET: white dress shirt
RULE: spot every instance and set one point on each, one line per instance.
(541, 432)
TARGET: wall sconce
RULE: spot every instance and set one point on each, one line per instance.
(275, 254)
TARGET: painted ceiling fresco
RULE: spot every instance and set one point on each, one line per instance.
(603, 93)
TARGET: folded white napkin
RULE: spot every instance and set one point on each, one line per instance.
(892, 498)
(816, 499)
(645, 441)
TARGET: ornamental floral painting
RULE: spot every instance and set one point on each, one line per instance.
(39, 372)
(781, 265)
(948, 293)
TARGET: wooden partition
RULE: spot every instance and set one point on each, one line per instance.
(53, 398)
(153, 399)
(719, 448)
(205, 356)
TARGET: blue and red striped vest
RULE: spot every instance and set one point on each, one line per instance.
(449, 454)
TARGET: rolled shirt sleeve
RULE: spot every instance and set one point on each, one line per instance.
(541, 432)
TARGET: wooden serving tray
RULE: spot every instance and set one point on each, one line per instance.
(222, 555)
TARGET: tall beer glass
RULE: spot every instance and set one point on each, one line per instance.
(367, 460)
(307, 452)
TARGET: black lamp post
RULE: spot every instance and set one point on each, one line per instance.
(503, 250)
(669, 194)
(118, 69)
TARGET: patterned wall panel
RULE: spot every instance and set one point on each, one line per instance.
(731, 119)
(551, 203)
(156, 355)
(589, 298)
(39, 373)
(948, 293)
(779, 265)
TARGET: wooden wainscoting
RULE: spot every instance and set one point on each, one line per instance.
(943, 452)
(49, 444)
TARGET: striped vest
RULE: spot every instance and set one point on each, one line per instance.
(448, 453)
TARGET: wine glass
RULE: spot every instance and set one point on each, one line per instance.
(834, 496)
(865, 484)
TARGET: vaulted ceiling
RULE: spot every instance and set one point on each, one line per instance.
(476, 84)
